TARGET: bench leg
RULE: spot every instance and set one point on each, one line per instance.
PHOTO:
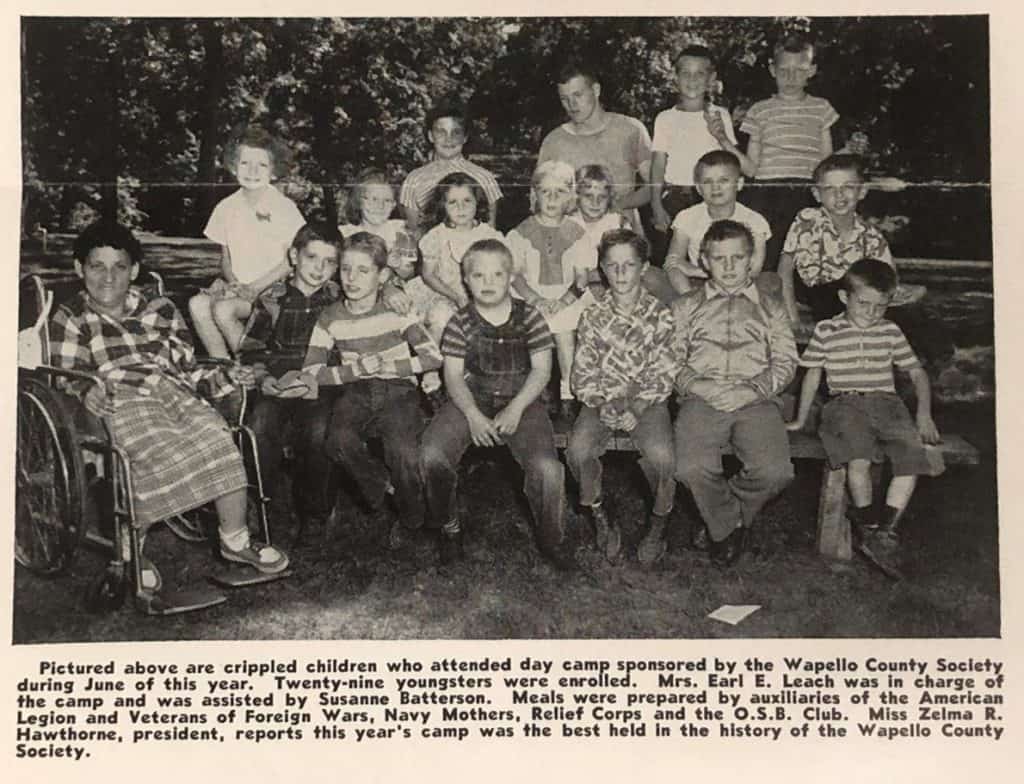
(833, 527)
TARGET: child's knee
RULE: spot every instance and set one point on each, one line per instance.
(200, 307)
(433, 458)
(224, 311)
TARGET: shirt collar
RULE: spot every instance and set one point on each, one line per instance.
(859, 224)
(712, 290)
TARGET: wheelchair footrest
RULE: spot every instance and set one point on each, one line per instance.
(241, 576)
(173, 602)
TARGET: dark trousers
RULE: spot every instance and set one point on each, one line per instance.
(302, 425)
(778, 201)
(391, 411)
(446, 440)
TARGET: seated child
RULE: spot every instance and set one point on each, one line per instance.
(255, 226)
(824, 241)
(623, 376)
(789, 134)
(682, 135)
(864, 416)
(718, 179)
(447, 128)
(737, 353)
(497, 362)
(377, 375)
(544, 275)
(181, 450)
(459, 216)
(370, 207)
(275, 343)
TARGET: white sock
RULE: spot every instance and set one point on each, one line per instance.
(235, 540)
(565, 390)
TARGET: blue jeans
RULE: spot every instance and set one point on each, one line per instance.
(652, 436)
(446, 440)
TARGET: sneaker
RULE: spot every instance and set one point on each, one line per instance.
(261, 557)
(449, 547)
(653, 546)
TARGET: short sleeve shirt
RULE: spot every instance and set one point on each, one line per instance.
(789, 132)
(622, 146)
(497, 357)
(821, 255)
(684, 137)
(858, 359)
(696, 220)
(257, 237)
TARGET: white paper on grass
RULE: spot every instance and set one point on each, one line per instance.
(734, 613)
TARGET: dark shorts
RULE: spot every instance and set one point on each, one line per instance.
(869, 427)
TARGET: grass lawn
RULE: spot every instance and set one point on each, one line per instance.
(346, 585)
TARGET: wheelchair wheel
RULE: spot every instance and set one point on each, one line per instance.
(50, 481)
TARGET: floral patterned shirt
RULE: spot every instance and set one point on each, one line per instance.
(821, 255)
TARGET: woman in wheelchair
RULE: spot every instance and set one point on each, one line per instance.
(181, 451)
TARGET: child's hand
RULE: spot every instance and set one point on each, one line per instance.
(735, 397)
(396, 300)
(370, 364)
(99, 402)
(627, 421)
(292, 384)
(926, 427)
(243, 375)
(506, 421)
(582, 278)
(550, 307)
(482, 429)
(795, 426)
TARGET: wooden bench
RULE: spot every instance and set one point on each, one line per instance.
(833, 527)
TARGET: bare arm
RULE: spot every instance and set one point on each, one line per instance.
(808, 389)
(659, 160)
(923, 389)
(481, 428)
(787, 268)
(226, 270)
(432, 279)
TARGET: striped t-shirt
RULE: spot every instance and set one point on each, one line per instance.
(858, 359)
(342, 341)
(420, 184)
(789, 132)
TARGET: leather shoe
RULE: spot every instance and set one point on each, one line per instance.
(728, 551)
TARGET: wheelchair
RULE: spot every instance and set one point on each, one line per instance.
(64, 456)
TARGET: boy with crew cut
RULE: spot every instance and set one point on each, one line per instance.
(497, 363)
(719, 178)
(275, 343)
(682, 134)
(377, 373)
(736, 349)
(790, 133)
(447, 129)
(864, 415)
(623, 375)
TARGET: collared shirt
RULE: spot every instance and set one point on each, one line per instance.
(281, 323)
(624, 355)
(821, 255)
(730, 338)
(132, 354)
(859, 359)
(350, 337)
(420, 184)
(497, 356)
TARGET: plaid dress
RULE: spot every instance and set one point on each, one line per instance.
(181, 450)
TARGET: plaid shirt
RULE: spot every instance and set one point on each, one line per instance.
(150, 343)
(729, 338)
(281, 323)
(624, 356)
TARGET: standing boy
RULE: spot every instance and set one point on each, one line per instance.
(737, 354)
(789, 134)
(276, 341)
(719, 179)
(497, 362)
(682, 135)
(377, 373)
(447, 131)
(623, 376)
(864, 415)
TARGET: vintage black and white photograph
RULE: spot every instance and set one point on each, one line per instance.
(440, 328)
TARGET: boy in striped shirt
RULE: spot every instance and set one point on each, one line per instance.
(865, 416)
(362, 346)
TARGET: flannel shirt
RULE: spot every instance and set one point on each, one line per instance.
(281, 324)
(149, 343)
(731, 338)
(624, 356)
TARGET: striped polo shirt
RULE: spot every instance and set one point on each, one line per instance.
(342, 340)
(789, 132)
(858, 359)
(420, 184)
